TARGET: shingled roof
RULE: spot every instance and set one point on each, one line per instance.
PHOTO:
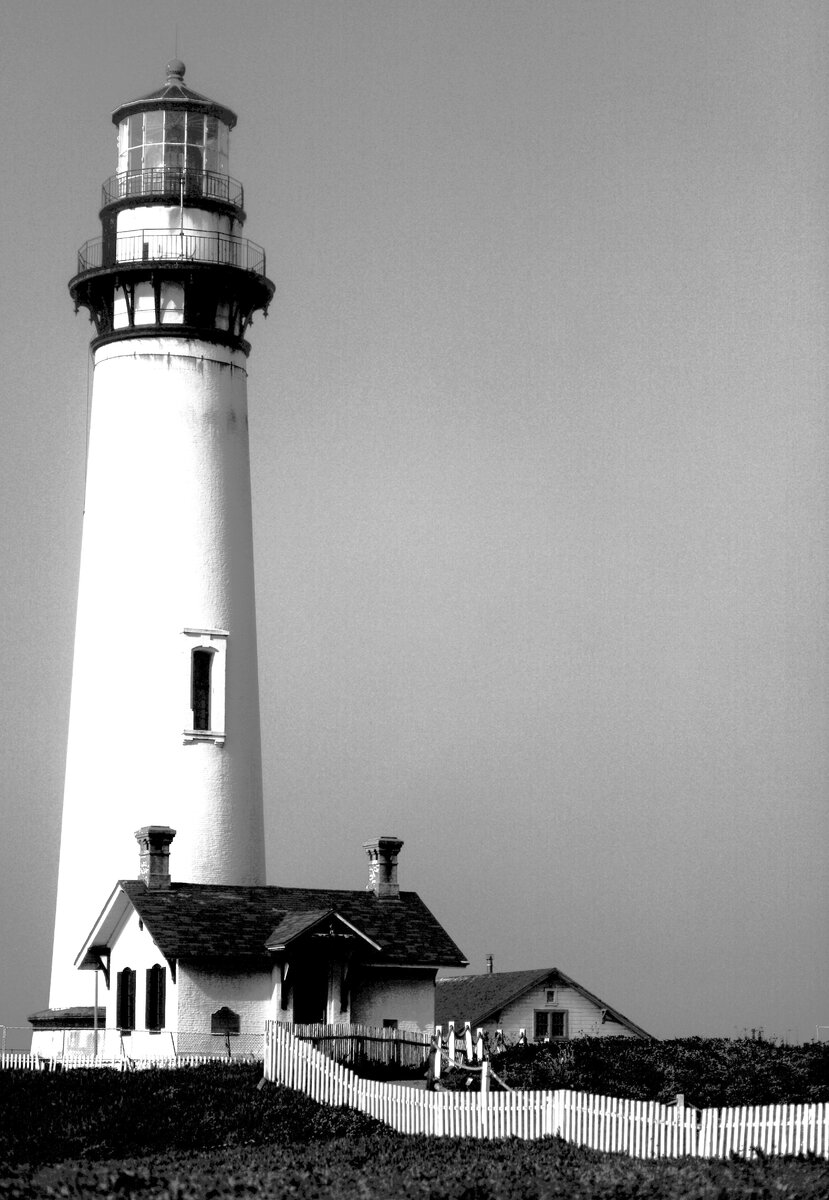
(482, 998)
(210, 921)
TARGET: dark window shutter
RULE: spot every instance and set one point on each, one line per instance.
(155, 1005)
(125, 999)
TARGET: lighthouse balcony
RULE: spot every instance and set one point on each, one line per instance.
(169, 185)
(171, 246)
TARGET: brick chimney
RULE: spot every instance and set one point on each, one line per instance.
(382, 867)
(154, 855)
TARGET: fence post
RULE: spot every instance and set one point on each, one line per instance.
(467, 1041)
(484, 1101)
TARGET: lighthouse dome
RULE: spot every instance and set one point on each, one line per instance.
(175, 95)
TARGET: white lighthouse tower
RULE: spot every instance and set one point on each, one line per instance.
(164, 720)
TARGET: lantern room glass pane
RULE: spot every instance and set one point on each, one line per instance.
(195, 161)
(175, 127)
(123, 145)
(153, 156)
(211, 155)
(195, 129)
(153, 127)
(136, 129)
(174, 156)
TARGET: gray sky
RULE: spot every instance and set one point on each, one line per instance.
(539, 468)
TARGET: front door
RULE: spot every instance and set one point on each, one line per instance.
(310, 993)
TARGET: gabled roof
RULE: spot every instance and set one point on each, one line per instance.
(482, 998)
(216, 921)
(320, 923)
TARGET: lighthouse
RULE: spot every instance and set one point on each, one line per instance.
(164, 717)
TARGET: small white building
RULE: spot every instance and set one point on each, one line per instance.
(547, 1004)
(184, 964)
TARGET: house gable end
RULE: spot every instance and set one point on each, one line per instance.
(297, 928)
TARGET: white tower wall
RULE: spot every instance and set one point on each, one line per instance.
(167, 548)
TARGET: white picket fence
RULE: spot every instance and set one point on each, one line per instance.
(643, 1129)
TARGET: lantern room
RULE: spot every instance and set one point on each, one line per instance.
(170, 258)
(172, 143)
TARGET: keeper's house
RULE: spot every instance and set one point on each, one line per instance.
(187, 963)
(547, 1005)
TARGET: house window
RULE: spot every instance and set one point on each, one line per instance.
(550, 1026)
(155, 1005)
(125, 1000)
(204, 719)
(552, 996)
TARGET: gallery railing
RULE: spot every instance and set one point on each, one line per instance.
(177, 185)
(165, 245)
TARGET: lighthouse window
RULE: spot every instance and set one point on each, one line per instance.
(144, 304)
(206, 651)
(171, 304)
(202, 663)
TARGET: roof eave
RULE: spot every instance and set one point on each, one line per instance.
(107, 928)
(167, 98)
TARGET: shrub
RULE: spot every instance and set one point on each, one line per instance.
(711, 1072)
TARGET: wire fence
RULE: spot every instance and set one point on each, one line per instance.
(107, 1047)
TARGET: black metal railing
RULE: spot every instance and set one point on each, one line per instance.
(175, 185)
(178, 246)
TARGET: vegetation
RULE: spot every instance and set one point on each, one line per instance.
(710, 1072)
(376, 1167)
(211, 1132)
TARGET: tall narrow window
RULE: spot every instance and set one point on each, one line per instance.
(203, 685)
(125, 1000)
(202, 663)
(155, 1006)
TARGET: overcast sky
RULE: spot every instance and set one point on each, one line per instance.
(539, 468)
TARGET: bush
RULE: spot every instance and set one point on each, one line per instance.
(711, 1072)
